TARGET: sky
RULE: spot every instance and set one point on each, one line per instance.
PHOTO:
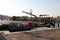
(15, 7)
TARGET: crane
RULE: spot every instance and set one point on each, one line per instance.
(30, 13)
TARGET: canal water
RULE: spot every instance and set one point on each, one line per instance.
(46, 28)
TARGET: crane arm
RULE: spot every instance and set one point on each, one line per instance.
(29, 13)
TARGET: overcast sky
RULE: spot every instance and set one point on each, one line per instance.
(15, 7)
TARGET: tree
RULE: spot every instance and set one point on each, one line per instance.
(14, 17)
